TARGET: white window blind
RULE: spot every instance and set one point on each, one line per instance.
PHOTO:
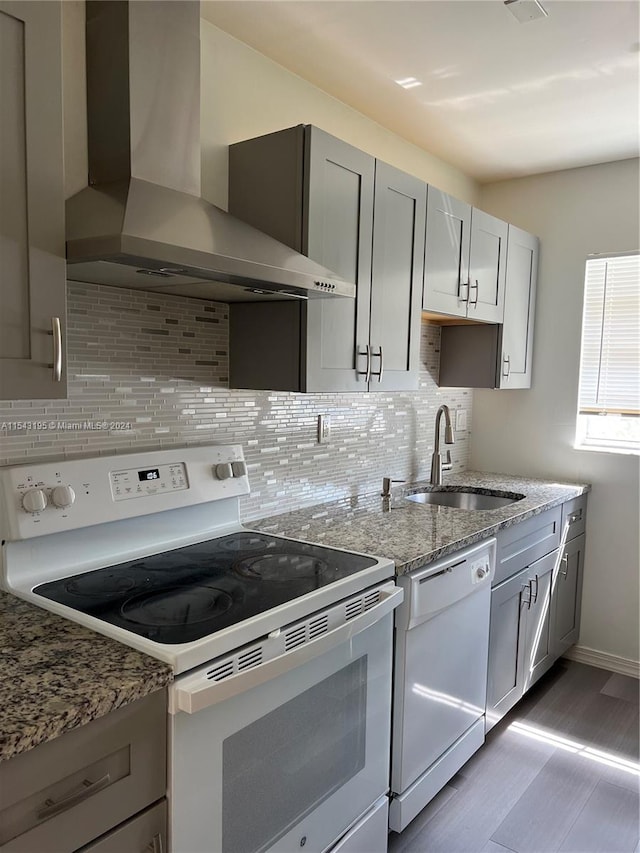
(610, 357)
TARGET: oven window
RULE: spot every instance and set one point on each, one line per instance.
(279, 768)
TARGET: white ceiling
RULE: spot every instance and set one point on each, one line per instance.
(498, 98)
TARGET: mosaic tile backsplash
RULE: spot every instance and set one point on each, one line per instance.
(156, 366)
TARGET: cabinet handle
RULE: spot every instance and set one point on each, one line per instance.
(575, 516)
(155, 845)
(462, 284)
(366, 373)
(507, 366)
(380, 356)
(87, 789)
(535, 595)
(565, 560)
(475, 287)
(57, 348)
(527, 601)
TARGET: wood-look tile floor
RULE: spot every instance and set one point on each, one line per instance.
(559, 773)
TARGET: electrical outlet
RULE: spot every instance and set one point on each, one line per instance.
(324, 429)
(461, 420)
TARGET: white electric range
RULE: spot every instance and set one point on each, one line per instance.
(280, 710)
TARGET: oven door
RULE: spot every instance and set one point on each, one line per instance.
(290, 753)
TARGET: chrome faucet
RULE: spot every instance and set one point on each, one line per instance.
(437, 465)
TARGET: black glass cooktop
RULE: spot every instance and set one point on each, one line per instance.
(182, 595)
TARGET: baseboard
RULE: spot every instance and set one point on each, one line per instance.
(603, 660)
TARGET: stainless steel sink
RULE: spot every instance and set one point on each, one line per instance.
(466, 498)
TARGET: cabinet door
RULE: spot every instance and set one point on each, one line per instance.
(396, 283)
(519, 307)
(32, 259)
(505, 684)
(446, 272)
(566, 597)
(487, 267)
(337, 232)
(538, 651)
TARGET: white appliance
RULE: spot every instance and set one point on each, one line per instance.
(280, 710)
(440, 681)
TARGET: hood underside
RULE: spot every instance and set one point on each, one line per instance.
(146, 237)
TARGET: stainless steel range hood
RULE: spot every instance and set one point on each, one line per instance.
(141, 223)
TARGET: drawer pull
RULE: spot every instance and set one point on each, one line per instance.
(575, 516)
(57, 349)
(155, 845)
(535, 594)
(367, 372)
(565, 560)
(88, 789)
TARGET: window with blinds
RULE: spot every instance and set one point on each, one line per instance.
(609, 394)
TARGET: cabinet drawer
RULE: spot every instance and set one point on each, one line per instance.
(66, 792)
(145, 833)
(525, 542)
(574, 517)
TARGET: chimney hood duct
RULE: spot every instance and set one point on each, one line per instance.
(141, 223)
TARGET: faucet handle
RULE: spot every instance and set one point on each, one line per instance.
(448, 464)
(386, 486)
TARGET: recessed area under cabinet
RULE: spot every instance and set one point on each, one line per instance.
(361, 218)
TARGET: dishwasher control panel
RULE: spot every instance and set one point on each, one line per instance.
(440, 584)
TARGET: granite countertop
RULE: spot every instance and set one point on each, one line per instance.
(413, 534)
(57, 675)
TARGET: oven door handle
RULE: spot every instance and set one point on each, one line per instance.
(193, 693)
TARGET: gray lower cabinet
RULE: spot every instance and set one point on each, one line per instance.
(498, 356)
(71, 793)
(566, 597)
(355, 215)
(535, 603)
(520, 648)
(505, 684)
(32, 250)
(465, 265)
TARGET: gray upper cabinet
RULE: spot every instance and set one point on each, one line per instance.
(498, 356)
(396, 284)
(519, 306)
(32, 256)
(356, 216)
(465, 262)
(446, 269)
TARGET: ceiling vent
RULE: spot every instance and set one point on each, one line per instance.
(526, 10)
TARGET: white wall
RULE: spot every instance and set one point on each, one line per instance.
(245, 94)
(574, 212)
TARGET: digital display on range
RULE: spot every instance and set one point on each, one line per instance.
(150, 474)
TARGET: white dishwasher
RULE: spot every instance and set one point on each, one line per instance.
(440, 677)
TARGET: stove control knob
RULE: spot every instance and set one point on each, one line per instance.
(63, 496)
(482, 572)
(35, 500)
(239, 469)
(223, 471)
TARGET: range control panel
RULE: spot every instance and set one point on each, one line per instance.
(136, 483)
(52, 497)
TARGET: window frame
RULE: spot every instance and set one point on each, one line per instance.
(617, 422)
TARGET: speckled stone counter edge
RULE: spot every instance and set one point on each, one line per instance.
(57, 675)
(411, 534)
